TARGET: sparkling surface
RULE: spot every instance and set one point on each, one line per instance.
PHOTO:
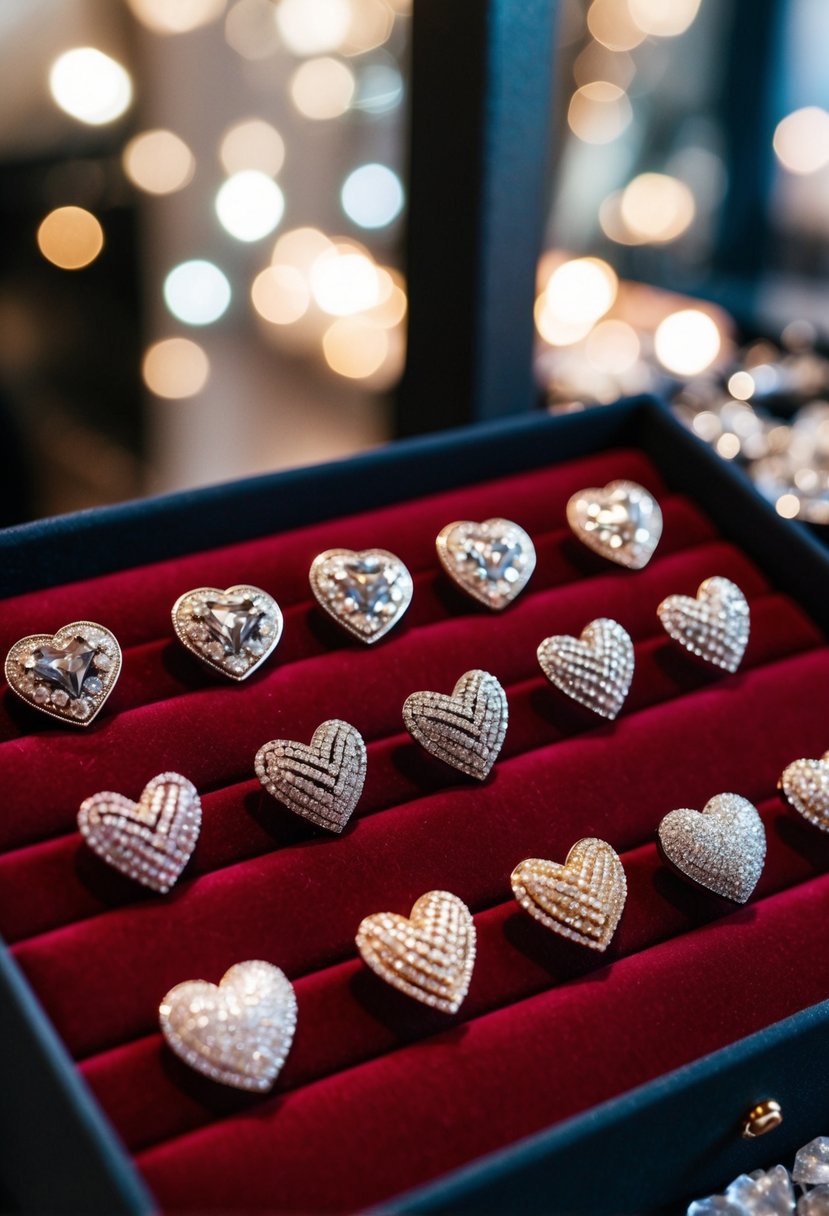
(714, 626)
(232, 631)
(232, 619)
(582, 899)
(491, 561)
(811, 1165)
(805, 786)
(622, 522)
(815, 1202)
(429, 955)
(722, 848)
(66, 665)
(595, 669)
(237, 1032)
(67, 675)
(465, 729)
(366, 591)
(321, 782)
(764, 1193)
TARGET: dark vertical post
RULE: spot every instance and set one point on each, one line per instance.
(481, 109)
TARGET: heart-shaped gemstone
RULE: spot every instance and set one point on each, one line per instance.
(491, 561)
(237, 1032)
(322, 781)
(150, 840)
(622, 522)
(714, 626)
(582, 899)
(595, 669)
(805, 786)
(233, 631)
(429, 955)
(722, 847)
(465, 729)
(68, 674)
(365, 591)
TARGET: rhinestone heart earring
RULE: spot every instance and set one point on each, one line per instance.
(622, 522)
(465, 729)
(491, 561)
(595, 669)
(321, 782)
(233, 631)
(714, 626)
(67, 675)
(804, 784)
(722, 847)
(583, 899)
(365, 592)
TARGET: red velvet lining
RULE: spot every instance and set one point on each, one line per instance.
(101, 953)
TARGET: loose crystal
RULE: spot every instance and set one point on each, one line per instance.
(811, 1165)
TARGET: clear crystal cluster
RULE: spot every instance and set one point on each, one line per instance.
(771, 1193)
(365, 592)
(595, 669)
(232, 631)
(237, 1032)
(429, 955)
(621, 522)
(722, 848)
(714, 626)
(69, 674)
(582, 899)
(323, 781)
(805, 786)
(491, 561)
(150, 840)
(466, 729)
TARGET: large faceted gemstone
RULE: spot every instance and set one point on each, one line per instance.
(232, 620)
(65, 666)
(367, 585)
(494, 559)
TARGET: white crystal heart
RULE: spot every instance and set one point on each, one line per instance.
(805, 786)
(722, 847)
(465, 729)
(237, 1032)
(233, 631)
(323, 781)
(150, 840)
(582, 899)
(365, 591)
(491, 561)
(714, 626)
(67, 675)
(622, 522)
(595, 669)
(429, 954)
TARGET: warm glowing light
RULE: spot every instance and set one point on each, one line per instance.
(70, 237)
(300, 247)
(599, 112)
(158, 162)
(250, 29)
(249, 205)
(372, 196)
(197, 292)
(344, 282)
(741, 386)
(252, 144)
(663, 18)
(280, 294)
(556, 331)
(392, 303)
(611, 222)
(613, 347)
(322, 88)
(379, 88)
(687, 342)
(707, 425)
(801, 140)
(611, 24)
(728, 446)
(313, 27)
(657, 208)
(372, 22)
(788, 505)
(90, 86)
(175, 368)
(176, 16)
(581, 290)
(355, 348)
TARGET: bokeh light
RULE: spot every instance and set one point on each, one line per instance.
(657, 208)
(158, 162)
(70, 237)
(663, 18)
(372, 196)
(322, 88)
(250, 29)
(687, 342)
(379, 88)
(176, 16)
(801, 140)
(354, 347)
(90, 86)
(344, 281)
(741, 386)
(599, 112)
(249, 205)
(300, 247)
(175, 368)
(613, 346)
(197, 292)
(313, 27)
(252, 144)
(280, 294)
(611, 24)
(371, 25)
(577, 294)
(788, 505)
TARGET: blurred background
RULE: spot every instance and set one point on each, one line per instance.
(203, 208)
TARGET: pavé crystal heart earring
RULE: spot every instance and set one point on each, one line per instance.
(583, 899)
(804, 784)
(622, 522)
(365, 591)
(722, 847)
(714, 625)
(595, 669)
(232, 631)
(67, 675)
(491, 561)
(465, 729)
(321, 781)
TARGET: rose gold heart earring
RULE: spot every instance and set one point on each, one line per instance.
(583, 899)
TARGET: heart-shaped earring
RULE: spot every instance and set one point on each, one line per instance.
(150, 840)
(622, 522)
(714, 626)
(237, 1032)
(805, 786)
(233, 631)
(582, 899)
(429, 954)
(465, 729)
(722, 847)
(323, 781)
(595, 669)
(365, 591)
(491, 561)
(67, 675)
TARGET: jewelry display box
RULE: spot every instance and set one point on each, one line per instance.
(569, 1081)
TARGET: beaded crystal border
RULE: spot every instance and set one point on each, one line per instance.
(52, 697)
